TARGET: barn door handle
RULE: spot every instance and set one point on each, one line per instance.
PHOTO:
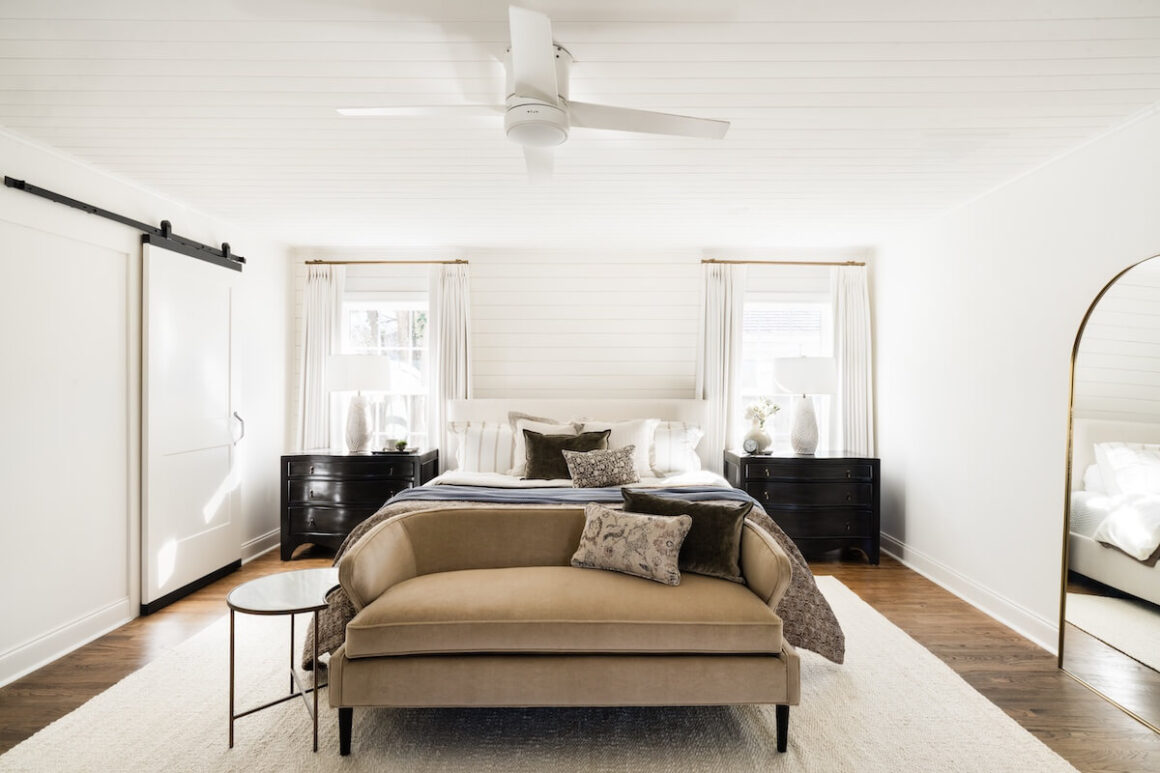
(242, 422)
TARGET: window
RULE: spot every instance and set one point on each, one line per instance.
(391, 325)
(785, 325)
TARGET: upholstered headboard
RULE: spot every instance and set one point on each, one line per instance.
(566, 408)
(1087, 432)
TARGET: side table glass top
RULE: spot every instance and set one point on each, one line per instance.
(298, 590)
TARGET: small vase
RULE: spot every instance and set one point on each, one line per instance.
(759, 436)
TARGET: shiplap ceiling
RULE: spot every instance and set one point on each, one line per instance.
(849, 116)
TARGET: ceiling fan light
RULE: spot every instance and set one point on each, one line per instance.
(536, 125)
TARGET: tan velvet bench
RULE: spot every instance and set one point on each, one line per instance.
(480, 608)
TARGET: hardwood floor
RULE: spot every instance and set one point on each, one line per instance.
(1014, 674)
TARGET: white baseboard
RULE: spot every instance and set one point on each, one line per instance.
(25, 658)
(1019, 618)
(263, 543)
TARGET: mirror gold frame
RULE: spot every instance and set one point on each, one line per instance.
(1067, 494)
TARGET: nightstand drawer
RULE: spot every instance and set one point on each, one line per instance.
(826, 470)
(344, 492)
(776, 493)
(328, 520)
(823, 523)
(349, 468)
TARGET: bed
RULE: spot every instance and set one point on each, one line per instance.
(1091, 505)
(807, 618)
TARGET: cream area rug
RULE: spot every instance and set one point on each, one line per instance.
(892, 707)
(1130, 625)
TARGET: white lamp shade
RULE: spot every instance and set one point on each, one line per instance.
(349, 372)
(806, 375)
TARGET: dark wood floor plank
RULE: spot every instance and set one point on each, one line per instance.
(1013, 673)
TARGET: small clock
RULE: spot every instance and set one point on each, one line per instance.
(750, 445)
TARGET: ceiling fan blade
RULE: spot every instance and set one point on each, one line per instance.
(421, 111)
(540, 163)
(533, 55)
(626, 119)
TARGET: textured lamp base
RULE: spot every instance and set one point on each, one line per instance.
(804, 436)
(358, 425)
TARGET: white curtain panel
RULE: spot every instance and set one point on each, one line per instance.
(719, 356)
(449, 318)
(321, 329)
(852, 344)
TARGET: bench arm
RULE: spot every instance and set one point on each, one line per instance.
(382, 558)
(764, 565)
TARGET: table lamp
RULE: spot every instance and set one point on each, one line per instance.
(803, 377)
(356, 372)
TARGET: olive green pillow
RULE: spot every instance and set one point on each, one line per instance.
(546, 452)
(713, 546)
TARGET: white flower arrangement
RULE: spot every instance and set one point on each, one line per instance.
(761, 410)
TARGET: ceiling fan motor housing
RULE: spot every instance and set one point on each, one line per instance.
(536, 124)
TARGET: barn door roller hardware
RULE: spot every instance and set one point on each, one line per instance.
(161, 237)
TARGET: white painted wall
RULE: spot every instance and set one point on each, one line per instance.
(975, 317)
(70, 400)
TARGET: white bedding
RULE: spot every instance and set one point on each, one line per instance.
(1131, 522)
(499, 480)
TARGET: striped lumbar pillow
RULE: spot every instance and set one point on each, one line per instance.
(674, 448)
(483, 446)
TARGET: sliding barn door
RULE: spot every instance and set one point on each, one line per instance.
(190, 501)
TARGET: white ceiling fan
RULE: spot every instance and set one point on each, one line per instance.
(538, 112)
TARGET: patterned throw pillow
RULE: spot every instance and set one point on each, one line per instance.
(645, 546)
(596, 469)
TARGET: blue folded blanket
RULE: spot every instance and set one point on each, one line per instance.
(560, 496)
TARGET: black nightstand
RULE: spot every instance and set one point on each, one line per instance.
(822, 502)
(325, 496)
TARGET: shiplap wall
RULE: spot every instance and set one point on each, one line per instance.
(1117, 369)
(575, 323)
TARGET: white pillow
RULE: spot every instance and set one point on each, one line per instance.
(638, 432)
(1129, 468)
(674, 449)
(483, 446)
(520, 455)
(1093, 481)
(1133, 527)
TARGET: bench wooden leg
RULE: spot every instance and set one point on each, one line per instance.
(782, 727)
(346, 721)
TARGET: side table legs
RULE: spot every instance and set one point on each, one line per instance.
(231, 678)
(297, 688)
(317, 668)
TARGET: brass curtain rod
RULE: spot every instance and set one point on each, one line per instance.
(381, 262)
(786, 262)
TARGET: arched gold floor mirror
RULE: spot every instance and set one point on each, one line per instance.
(1109, 630)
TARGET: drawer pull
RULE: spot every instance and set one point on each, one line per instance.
(310, 520)
(765, 494)
(310, 494)
(849, 497)
(849, 474)
(312, 470)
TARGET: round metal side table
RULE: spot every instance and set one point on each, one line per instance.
(286, 593)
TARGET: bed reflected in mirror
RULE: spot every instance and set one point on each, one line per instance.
(1110, 631)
